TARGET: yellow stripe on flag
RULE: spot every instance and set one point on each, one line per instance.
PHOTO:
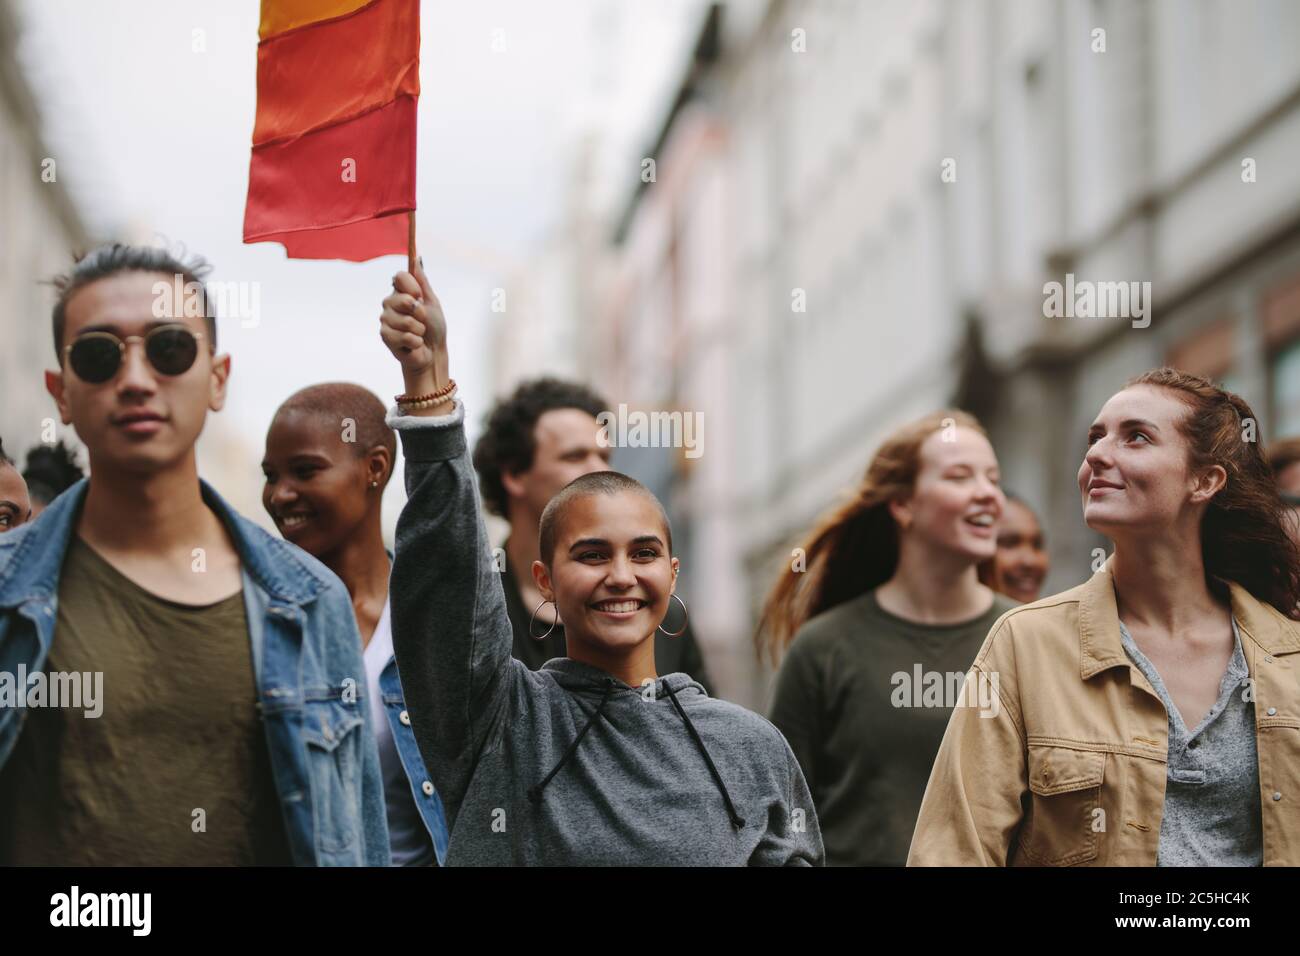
(279, 16)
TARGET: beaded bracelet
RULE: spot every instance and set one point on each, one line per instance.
(427, 402)
(413, 400)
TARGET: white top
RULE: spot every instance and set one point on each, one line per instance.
(408, 838)
(376, 657)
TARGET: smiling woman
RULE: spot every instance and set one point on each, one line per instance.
(328, 458)
(1149, 714)
(595, 758)
(884, 587)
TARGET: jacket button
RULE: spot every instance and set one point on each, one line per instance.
(405, 718)
(1272, 711)
(1277, 795)
(427, 787)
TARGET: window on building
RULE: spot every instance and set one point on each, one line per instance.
(1284, 373)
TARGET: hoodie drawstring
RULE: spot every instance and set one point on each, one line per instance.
(737, 820)
(535, 791)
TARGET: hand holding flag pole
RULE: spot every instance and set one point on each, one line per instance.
(410, 252)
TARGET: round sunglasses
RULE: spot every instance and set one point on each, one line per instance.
(96, 356)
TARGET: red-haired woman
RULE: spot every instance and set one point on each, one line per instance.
(1150, 716)
(881, 627)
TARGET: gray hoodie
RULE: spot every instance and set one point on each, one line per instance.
(565, 765)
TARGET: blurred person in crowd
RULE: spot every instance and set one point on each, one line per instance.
(537, 441)
(880, 615)
(1284, 457)
(51, 470)
(227, 653)
(595, 758)
(1148, 715)
(328, 458)
(15, 499)
(1020, 566)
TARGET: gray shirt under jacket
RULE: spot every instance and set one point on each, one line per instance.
(1212, 815)
(565, 765)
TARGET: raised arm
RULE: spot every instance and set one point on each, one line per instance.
(451, 633)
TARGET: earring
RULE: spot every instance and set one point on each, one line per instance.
(542, 637)
(684, 623)
(374, 484)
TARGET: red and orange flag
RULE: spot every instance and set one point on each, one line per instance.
(333, 168)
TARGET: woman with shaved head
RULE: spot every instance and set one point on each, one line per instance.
(329, 456)
(596, 759)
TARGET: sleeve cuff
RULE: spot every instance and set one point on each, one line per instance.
(399, 422)
(425, 438)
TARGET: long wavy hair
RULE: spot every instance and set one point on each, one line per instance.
(1244, 533)
(854, 547)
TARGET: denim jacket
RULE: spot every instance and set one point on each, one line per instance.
(423, 791)
(307, 664)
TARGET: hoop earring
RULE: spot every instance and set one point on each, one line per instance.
(685, 623)
(542, 637)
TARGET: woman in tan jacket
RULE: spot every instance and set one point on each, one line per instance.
(1150, 716)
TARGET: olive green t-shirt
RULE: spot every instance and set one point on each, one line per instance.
(175, 771)
(864, 697)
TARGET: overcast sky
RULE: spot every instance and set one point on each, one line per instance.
(152, 138)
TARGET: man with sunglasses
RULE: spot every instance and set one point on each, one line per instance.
(234, 726)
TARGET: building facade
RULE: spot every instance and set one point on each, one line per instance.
(856, 212)
(39, 230)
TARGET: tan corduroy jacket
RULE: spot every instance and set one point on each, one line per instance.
(1068, 767)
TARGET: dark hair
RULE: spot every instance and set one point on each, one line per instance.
(339, 400)
(116, 257)
(1283, 453)
(51, 470)
(597, 483)
(854, 547)
(508, 444)
(1244, 532)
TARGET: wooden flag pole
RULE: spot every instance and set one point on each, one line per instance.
(410, 242)
(410, 249)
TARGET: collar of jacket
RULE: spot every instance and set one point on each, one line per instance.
(31, 557)
(1099, 641)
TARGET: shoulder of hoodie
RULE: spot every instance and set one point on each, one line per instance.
(754, 726)
(1043, 628)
